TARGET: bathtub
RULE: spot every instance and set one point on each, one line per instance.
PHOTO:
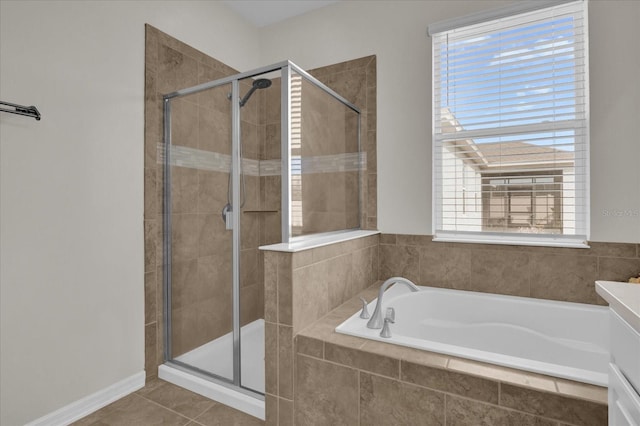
(561, 339)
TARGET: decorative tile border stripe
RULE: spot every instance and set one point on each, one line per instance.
(348, 162)
(182, 156)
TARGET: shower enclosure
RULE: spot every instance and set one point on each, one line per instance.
(262, 157)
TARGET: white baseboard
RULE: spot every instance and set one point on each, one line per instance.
(87, 405)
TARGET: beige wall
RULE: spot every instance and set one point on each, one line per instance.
(71, 206)
(395, 31)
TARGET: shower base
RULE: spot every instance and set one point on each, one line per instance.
(216, 357)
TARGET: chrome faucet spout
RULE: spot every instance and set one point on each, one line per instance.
(376, 319)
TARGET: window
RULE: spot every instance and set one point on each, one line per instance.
(510, 143)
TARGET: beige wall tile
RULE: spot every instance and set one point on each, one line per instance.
(339, 279)
(184, 123)
(553, 406)
(150, 297)
(414, 240)
(285, 361)
(309, 346)
(285, 412)
(150, 350)
(500, 271)
(362, 360)
(390, 402)
(612, 249)
(249, 231)
(310, 294)
(448, 381)
(214, 120)
(152, 131)
(326, 393)
(184, 190)
(270, 287)
(302, 258)
(563, 277)
(150, 197)
(184, 283)
(399, 261)
(285, 289)
(618, 269)
(251, 270)
(585, 391)
(271, 410)
(271, 357)
(445, 267)
(251, 303)
(150, 244)
(503, 374)
(365, 268)
(185, 236)
(466, 412)
(388, 239)
(212, 191)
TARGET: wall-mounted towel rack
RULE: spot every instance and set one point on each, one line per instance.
(29, 111)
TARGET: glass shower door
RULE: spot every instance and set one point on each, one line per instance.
(199, 300)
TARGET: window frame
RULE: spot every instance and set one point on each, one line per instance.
(578, 240)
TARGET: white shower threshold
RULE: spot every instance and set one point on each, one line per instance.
(216, 357)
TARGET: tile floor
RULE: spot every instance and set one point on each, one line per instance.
(162, 403)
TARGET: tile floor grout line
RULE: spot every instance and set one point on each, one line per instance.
(173, 411)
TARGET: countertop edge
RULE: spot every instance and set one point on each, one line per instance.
(624, 298)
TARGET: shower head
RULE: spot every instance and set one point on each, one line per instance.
(261, 83)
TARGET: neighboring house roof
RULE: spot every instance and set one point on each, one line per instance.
(503, 155)
(522, 154)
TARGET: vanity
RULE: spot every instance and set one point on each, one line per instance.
(624, 365)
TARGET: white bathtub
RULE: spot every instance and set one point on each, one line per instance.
(561, 339)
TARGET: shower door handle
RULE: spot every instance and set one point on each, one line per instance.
(227, 217)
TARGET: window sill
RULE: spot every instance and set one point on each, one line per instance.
(506, 239)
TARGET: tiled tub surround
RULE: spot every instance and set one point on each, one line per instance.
(300, 288)
(565, 274)
(561, 339)
(347, 380)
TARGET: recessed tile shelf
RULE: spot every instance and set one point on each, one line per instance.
(260, 211)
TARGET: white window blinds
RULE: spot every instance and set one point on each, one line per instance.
(510, 109)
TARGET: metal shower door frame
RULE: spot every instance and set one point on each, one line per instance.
(286, 68)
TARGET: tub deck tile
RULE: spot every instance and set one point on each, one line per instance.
(451, 382)
(503, 374)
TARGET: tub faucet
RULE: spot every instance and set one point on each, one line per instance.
(376, 319)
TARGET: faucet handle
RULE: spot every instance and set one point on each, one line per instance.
(389, 318)
(365, 312)
(390, 315)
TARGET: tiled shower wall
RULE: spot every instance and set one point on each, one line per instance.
(201, 257)
(202, 248)
(356, 80)
(566, 274)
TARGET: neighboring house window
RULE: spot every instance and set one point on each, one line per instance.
(522, 203)
(510, 143)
